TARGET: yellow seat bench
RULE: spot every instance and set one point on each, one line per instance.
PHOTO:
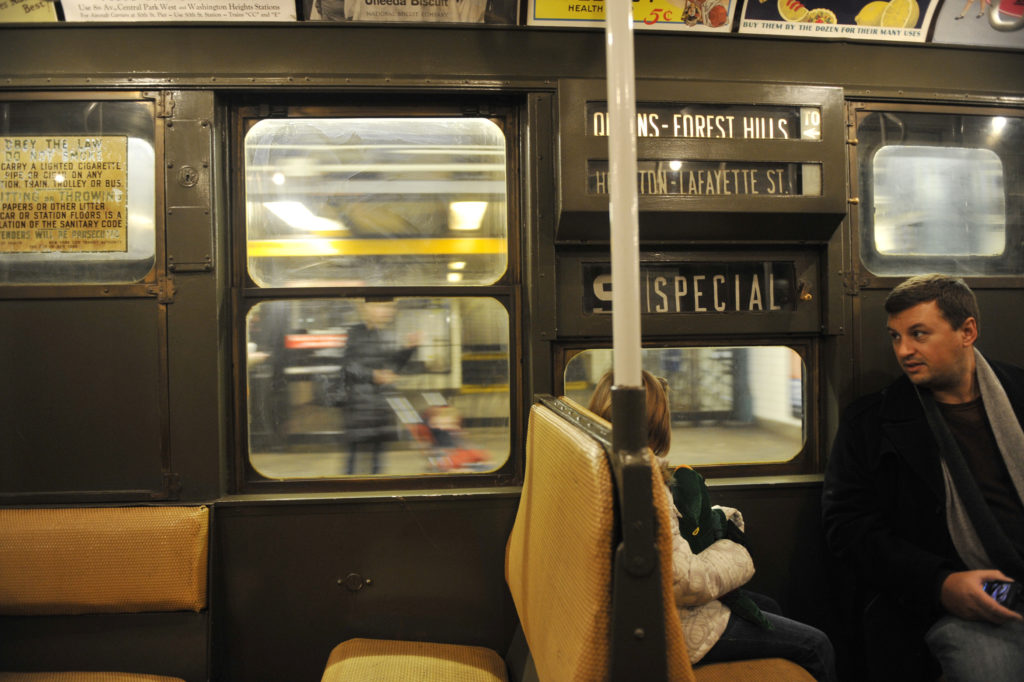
(130, 582)
(561, 570)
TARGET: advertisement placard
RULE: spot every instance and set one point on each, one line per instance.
(416, 11)
(672, 15)
(987, 23)
(63, 194)
(24, 11)
(175, 10)
(898, 20)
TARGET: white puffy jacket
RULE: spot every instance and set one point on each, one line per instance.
(698, 580)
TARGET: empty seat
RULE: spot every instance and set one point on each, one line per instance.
(562, 571)
(88, 592)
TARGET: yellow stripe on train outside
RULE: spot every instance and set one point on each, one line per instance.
(270, 248)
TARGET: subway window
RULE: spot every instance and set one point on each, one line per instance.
(731, 405)
(940, 192)
(77, 192)
(375, 201)
(410, 373)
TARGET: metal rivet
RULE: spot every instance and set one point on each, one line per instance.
(353, 582)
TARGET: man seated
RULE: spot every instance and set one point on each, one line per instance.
(922, 495)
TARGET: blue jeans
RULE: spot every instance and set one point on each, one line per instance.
(976, 650)
(806, 646)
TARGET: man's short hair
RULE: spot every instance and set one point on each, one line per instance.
(955, 299)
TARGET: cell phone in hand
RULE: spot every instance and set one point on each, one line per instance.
(1006, 593)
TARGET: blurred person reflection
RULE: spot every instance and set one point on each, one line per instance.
(269, 406)
(373, 359)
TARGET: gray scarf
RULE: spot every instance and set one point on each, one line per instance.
(1010, 439)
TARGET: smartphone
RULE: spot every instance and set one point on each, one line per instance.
(1007, 594)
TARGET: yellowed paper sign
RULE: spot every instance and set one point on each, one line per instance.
(27, 10)
(63, 194)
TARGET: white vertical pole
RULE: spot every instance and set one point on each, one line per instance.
(623, 213)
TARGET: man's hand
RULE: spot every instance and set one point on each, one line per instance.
(963, 595)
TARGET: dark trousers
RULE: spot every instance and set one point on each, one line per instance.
(375, 447)
(805, 645)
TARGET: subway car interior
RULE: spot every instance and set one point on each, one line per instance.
(280, 299)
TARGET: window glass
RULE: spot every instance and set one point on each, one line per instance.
(730, 405)
(941, 192)
(375, 201)
(77, 192)
(932, 201)
(384, 386)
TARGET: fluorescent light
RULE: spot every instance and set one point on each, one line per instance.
(454, 276)
(296, 215)
(457, 265)
(466, 215)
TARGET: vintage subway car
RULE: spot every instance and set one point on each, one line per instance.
(219, 241)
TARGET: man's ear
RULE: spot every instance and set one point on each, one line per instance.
(970, 331)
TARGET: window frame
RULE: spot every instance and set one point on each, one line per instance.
(149, 285)
(507, 290)
(808, 460)
(857, 111)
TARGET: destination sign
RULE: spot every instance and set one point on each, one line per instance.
(63, 194)
(689, 287)
(714, 121)
(714, 178)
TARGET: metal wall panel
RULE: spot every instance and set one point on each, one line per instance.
(285, 596)
(80, 405)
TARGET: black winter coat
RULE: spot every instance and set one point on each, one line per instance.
(368, 416)
(884, 500)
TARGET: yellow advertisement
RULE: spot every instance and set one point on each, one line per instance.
(63, 194)
(27, 11)
(673, 15)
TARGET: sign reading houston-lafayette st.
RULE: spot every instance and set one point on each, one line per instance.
(712, 178)
(63, 194)
(728, 123)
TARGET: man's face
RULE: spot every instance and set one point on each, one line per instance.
(930, 352)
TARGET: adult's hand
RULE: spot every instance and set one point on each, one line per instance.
(963, 595)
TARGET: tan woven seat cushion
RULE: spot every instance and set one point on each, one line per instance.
(103, 560)
(559, 555)
(757, 670)
(84, 677)
(369, 660)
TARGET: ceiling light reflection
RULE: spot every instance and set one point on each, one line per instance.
(295, 214)
(466, 215)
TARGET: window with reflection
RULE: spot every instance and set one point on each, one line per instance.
(77, 192)
(388, 386)
(731, 405)
(375, 201)
(941, 192)
(396, 383)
